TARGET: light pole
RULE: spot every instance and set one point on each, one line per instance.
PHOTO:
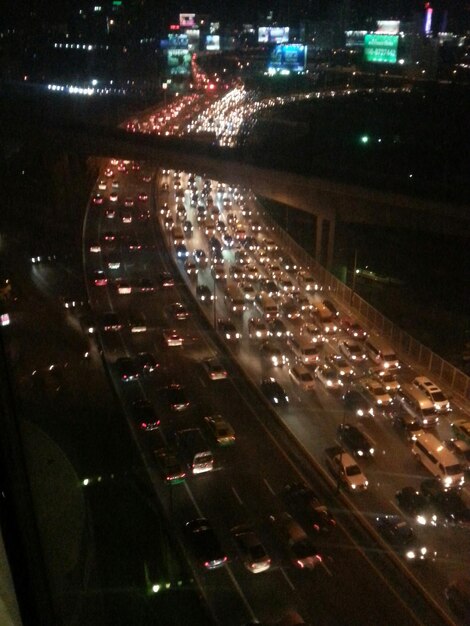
(164, 87)
(353, 285)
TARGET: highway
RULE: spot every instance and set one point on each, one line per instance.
(250, 476)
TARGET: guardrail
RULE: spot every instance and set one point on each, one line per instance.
(443, 371)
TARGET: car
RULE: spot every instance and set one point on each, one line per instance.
(133, 245)
(113, 196)
(274, 392)
(303, 553)
(355, 402)
(457, 594)
(313, 332)
(329, 305)
(278, 329)
(461, 449)
(354, 329)
(214, 369)
(127, 369)
(137, 322)
(113, 262)
(344, 369)
(109, 236)
(144, 285)
(305, 503)
(273, 354)
(288, 264)
(302, 377)
(95, 247)
(257, 329)
(176, 397)
(110, 213)
(387, 378)
(204, 543)
(329, 377)
(220, 429)
(97, 198)
(181, 251)
(204, 294)
(146, 362)
(218, 271)
(228, 330)
(144, 415)
(415, 504)
(165, 279)
(102, 184)
(178, 311)
(291, 310)
(399, 534)
(434, 393)
(353, 351)
(142, 196)
(253, 553)
(128, 202)
(248, 291)
(146, 178)
(251, 272)
(407, 424)
(307, 281)
(108, 172)
(115, 184)
(461, 429)
(123, 287)
(172, 338)
(71, 304)
(270, 287)
(376, 392)
(200, 257)
(171, 469)
(110, 322)
(99, 278)
(286, 285)
(355, 440)
(126, 216)
(451, 508)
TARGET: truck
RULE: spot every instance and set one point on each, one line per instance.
(345, 469)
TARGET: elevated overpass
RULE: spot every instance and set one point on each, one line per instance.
(327, 200)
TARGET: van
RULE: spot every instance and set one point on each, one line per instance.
(381, 353)
(326, 319)
(432, 391)
(178, 235)
(418, 405)
(304, 349)
(438, 459)
(234, 300)
(266, 305)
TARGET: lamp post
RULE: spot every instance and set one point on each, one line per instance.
(164, 87)
(353, 284)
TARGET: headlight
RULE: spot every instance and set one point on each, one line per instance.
(447, 481)
(371, 451)
(328, 383)
(423, 551)
(421, 520)
(379, 401)
(360, 453)
(410, 554)
(353, 486)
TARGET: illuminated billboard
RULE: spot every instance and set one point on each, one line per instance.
(178, 62)
(179, 42)
(288, 58)
(273, 34)
(187, 20)
(212, 42)
(380, 48)
(388, 27)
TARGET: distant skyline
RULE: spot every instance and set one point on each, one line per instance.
(454, 13)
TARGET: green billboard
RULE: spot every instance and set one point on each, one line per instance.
(380, 48)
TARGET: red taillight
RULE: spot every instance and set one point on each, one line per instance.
(143, 425)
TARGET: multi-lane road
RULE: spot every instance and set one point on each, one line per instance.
(358, 581)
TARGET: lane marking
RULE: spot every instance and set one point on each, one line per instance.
(235, 493)
(289, 582)
(265, 480)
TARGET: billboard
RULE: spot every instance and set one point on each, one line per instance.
(388, 27)
(288, 58)
(178, 62)
(212, 42)
(177, 42)
(273, 34)
(187, 20)
(380, 48)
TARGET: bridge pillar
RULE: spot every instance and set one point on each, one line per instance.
(331, 243)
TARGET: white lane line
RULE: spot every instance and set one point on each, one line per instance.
(235, 493)
(330, 573)
(289, 582)
(191, 497)
(242, 595)
(265, 480)
(395, 506)
(203, 382)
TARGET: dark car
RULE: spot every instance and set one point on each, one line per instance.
(405, 423)
(355, 440)
(399, 534)
(166, 279)
(127, 369)
(146, 362)
(331, 307)
(176, 397)
(144, 415)
(416, 505)
(355, 402)
(277, 329)
(204, 543)
(204, 294)
(306, 504)
(274, 392)
(110, 322)
(177, 311)
(450, 507)
(170, 467)
(181, 251)
(228, 330)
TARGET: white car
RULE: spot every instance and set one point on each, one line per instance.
(353, 350)
(329, 377)
(377, 392)
(388, 379)
(102, 185)
(302, 377)
(172, 338)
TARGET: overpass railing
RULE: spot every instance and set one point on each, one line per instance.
(420, 355)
